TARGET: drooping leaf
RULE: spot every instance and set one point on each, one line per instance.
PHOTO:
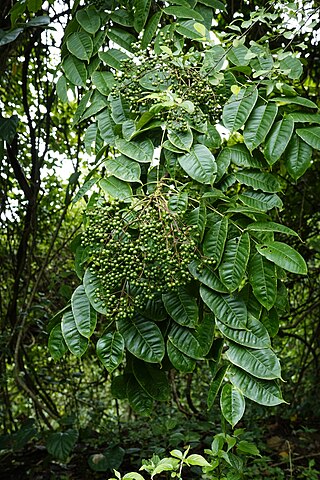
(264, 392)
(185, 340)
(182, 307)
(215, 239)
(106, 127)
(304, 102)
(216, 385)
(181, 139)
(187, 28)
(270, 227)
(284, 256)
(259, 124)
(84, 189)
(206, 275)
(116, 188)
(122, 38)
(240, 156)
(103, 81)
(178, 203)
(238, 108)
(263, 279)
(114, 58)
(150, 29)
(80, 45)
(255, 336)
(297, 157)
(8, 128)
(143, 339)
(228, 309)
(261, 363)
(138, 398)
(261, 201)
(199, 164)
(56, 344)
(10, 36)
(92, 286)
(301, 117)
(292, 66)
(110, 350)
(76, 343)
(198, 218)
(310, 135)
(61, 444)
(152, 379)
(234, 261)
(89, 19)
(84, 316)
(237, 55)
(232, 404)
(142, 8)
(278, 139)
(182, 12)
(179, 360)
(259, 181)
(123, 168)
(75, 70)
(139, 150)
(120, 110)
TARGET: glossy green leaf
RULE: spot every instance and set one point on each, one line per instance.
(304, 102)
(179, 360)
(116, 188)
(232, 404)
(301, 117)
(255, 336)
(110, 350)
(263, 279)
(182, 12)
(84, 189)
(89, 19)
(198, 218)
(152, 379)
(216, 4)
(186, 341)
(90, 137)
(215, 385)
(139, 400)
(75, 70)
(106, 127)
(62, 89)
(10, 36)
(205, 332)
(143, 339)
(181, 139)
(284, 256)
(261, 363)
(259, 181)
(270, 227)
(142, 8)
(199, 164)
(80, 45)
(114, 58)
(237, 55)
(238, 108)
(122, 38)
(310, 135)
(258, 124)
(150, 29)
(230, 310)
(182, 307)
(298, 157)
(56, 344)
(139, 150)
(234, 261)
(92, 287)
(206, 275)
(215, 239)
(271, 321)
(240, 156)
(123, 168)
(278, 139)
(261, 201)
(61, 444)
(123, 17)
(187, 29)
(103, 81)
(178, 203)
(120, 110)
(248, 448)
(85, 318)
(264, 392)
(76, 343)
(292, 66)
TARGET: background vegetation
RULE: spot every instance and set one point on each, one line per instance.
(59, 418)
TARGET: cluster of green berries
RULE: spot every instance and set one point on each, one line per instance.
(137, 254)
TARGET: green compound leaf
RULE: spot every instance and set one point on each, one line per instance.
(89, 19)
(284, 256)
(181, 139)
(179, 360)
(139, 150)
(142, 8)
(103, 81)
(304, 102)
(206, 276)
(263, 279)
(238, 108)
(186, 341)
(61, 444)
(143, 339)
(261, 363)
(232, 404)
(240, 156)
(76, 343)
(113, 58)
(300, 117)
(230, 310)
(122, 38)
(182, 307)
(56, 344)
(199, 164)
(123, 168)
(120, 110)
(255, 336)
(297, 157)
(152, 379)
(80, 45)
(116, 188)
(75, 70)
(258, 125)
(215, 239)
(278, 139)
(234, 261)
(198, 218)
(311, 136)
(259, 181)
(270, 227)
(150, 30)
(139, 400)
(92, 288)
(264, 392)
(84, 316)
(110, 350)
(261, 201)
(216, 385)
(106, 127)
